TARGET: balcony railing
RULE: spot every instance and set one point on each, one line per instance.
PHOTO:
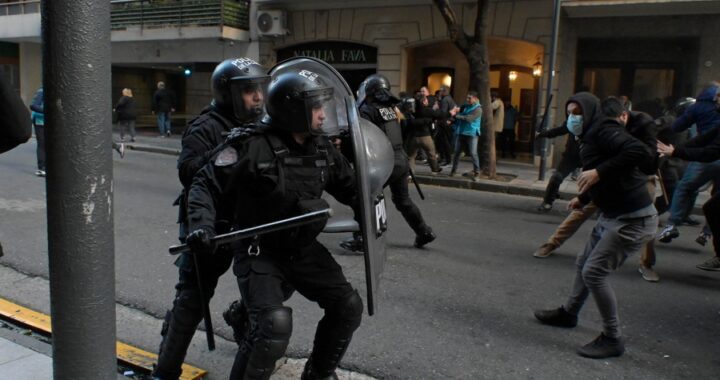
(179, 13)
(19, 8)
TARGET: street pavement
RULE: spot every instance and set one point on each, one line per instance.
(461, 309)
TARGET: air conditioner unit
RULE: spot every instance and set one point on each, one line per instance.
(271, 22)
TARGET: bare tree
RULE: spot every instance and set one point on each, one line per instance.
(475, 50)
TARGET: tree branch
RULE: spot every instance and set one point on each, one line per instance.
(455, 29)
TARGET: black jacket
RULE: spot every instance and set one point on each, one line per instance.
(703, 148)
(163, 101)
(202, 136)
(125, 109)
(424, 115)
(643, 127)
(605, 145)
(14, 118)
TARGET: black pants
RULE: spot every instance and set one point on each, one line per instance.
(442, 141)
(40, 137)
(507, 142)
(564, 168)
(186, 314)
(263, 281)
(711, 208)
(398, 184)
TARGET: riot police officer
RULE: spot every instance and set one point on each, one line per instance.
(238, 87)
(378, 107)
(279, 173)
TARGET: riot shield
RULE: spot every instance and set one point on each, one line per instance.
(373, 162)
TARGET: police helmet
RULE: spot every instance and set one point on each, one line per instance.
(234, 81)
(682, 104)
(377, 86)
(300, 102)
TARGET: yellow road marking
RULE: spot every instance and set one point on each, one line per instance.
(126, 354)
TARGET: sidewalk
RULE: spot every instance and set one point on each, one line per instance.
(524, 175)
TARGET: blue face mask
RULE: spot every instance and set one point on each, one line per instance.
(575, 124)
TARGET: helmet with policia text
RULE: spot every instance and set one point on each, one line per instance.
(376, 86)
(370, 150)
(239, 87)
(302, 102)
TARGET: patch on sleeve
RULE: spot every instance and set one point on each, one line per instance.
(226, 157)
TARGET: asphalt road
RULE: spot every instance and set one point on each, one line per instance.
(460, 309)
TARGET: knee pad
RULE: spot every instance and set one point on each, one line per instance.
(187, 310)
(351, 307)
(270, 338)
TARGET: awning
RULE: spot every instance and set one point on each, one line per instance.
(628, 8)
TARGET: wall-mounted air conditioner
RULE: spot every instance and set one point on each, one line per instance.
(271, 22)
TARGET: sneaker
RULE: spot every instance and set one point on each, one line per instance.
(668, 233)
(544, 251)
(712, 264)
(648, 274)
(424, 238)
(690, 221)
(436, 172)
(121, 149)
(40, 173)
(132, 139)
(475, 177)
(168, 133)
(702, 239)
(452, 174)
(353, 244)
(544, 207)
(602, 347)
(556, 317)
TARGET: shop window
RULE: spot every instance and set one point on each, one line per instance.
(437, 77)
(652, 90)
(601, 82)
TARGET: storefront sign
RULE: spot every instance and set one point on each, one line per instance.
(333, 52)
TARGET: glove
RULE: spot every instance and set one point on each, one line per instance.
(238, 134)
(200, 241)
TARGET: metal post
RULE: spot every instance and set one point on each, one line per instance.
(551, 77)
(76, 74)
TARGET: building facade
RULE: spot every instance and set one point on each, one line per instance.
(653, 51)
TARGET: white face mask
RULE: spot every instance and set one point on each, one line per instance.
(574, 124)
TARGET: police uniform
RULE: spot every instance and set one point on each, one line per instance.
(384, 116)
(271, 177)
(200, 142)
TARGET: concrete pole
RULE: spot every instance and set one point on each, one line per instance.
(551, 77)
(76, 77)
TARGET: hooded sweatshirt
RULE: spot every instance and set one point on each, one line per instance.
(703, 113)
(606, 146)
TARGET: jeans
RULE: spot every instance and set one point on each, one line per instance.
(610, 243)
(127, 125)
(711, 208)
(696, 175)
(470, 143)
(163, 119)
(40, 137)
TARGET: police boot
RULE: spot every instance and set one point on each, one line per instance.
(310, 374)
(172, 349)
(424, 238)
(332, 338)
(353, 244)
(236, 317)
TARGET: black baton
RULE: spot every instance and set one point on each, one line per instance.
(417, 185)
(205, 307)
(262, 229)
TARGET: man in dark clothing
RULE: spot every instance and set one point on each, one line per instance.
(507, 136)
(703, 148)
(163, 105)
(569, 161)
(238, 87)
(703, 114)
(378, 107)
(15, 118)
(279, 173)
(420, 124)
(611, 179)
(15, 121)
(444, 133)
